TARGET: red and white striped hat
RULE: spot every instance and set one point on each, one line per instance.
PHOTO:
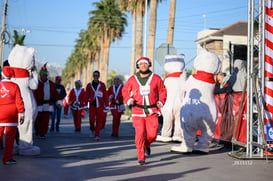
(143, 60)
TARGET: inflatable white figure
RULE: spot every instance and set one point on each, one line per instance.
(175, 84)
(199, 111)
(22, 60)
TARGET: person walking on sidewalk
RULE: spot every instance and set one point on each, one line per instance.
(116, 104)
(146, 93)
(45, 95)
(57, 110)
(11, 110)
(76, 100)
(97, 97)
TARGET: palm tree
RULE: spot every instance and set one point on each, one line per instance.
(152, 30)
(137, 8)
(110, 21)
(18, 39)
(171, 22)
(131, 6)
(139, 40)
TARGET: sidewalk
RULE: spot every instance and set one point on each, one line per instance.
(73, 156)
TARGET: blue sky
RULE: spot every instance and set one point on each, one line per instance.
(52, 26)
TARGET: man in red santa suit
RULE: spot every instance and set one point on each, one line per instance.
(116, 104)
(11, 103)
(97, 97)
(146, 93)
(45, 95)
(77, 102)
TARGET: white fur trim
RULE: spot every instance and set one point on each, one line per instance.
(129, 101)
(161, 104)
(8, 124)
(143, 61)
(60, 102)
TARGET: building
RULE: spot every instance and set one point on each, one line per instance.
(228, 43)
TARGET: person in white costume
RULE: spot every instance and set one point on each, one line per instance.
(199, 111)
(22, 60)
(175, 84)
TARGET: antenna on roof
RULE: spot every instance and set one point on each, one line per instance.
(204, 16)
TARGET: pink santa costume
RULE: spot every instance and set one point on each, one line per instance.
(175, 84)
(11, 103)
(199, 111)
(22, 60)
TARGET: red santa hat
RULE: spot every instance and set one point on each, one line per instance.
(58, 78)
(43, 69)
(143, 60)
(7, 72)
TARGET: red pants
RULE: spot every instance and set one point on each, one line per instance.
(66, 109)
(145, 133)
(116, 120)
(104, 120)
(9, 141)
(41, 123)
(77, 118)
(96, 116)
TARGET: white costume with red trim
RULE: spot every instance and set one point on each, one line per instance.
(199, 111)
(22, 60)
(175, 84)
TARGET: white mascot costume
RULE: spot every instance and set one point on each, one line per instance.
(175, 84)
(22, 60)
(199, 111)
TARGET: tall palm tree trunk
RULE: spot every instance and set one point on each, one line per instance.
(105, 62)
(139, 37)
(133, 49)
(84, 71)
(152, 31)
(171, 22)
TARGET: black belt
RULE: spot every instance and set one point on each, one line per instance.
(145, 107)
(44, 101)
(117, 104)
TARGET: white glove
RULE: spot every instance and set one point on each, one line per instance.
(21, 117)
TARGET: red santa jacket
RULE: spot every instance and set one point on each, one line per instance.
(11, 103)
(115, 98)
(76, 99)
(99, 95)
(154, 91)
(45, 95)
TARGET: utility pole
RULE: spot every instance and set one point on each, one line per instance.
(3, 30)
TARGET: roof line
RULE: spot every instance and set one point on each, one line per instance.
(220, 30)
